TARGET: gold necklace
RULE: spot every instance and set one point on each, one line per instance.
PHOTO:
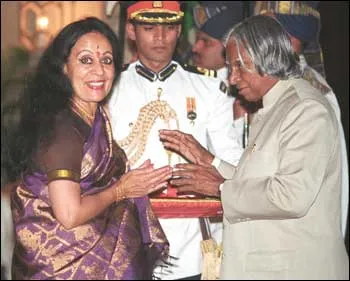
(79, 109)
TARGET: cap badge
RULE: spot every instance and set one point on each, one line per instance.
(157, 4)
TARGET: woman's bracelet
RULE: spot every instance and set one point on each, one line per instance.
(119, 192)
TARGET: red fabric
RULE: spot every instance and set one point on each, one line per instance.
(169, 204)
(186, 207)
(170, 192)
(142, 6)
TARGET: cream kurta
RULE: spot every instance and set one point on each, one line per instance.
(332, 98)
(282, 203)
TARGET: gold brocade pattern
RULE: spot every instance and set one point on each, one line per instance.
(119, 256)
(30, 239)
(87, 165)
(108, 131)
(155, 232)
(83, 232)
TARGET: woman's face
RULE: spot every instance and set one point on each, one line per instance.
(90, 67)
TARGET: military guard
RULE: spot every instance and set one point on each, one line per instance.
(213, 19)
(155, 92)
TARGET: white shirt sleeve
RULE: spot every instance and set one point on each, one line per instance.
(222, 134)
(216, 163)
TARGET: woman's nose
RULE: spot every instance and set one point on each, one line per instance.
(98, 68)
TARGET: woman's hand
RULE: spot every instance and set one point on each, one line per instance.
(142, 181)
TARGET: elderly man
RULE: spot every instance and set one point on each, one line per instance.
(302, 22)
(281, 207)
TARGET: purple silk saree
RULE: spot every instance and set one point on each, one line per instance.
(121, 243)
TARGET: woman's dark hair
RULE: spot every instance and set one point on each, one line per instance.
(49, 92)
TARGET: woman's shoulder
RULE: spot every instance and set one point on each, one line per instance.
(67, 122)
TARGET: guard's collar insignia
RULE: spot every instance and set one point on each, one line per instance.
(152, 76)
(223, 87)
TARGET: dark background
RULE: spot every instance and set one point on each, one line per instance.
(334, 39)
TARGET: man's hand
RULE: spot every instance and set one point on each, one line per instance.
(187, 146)
(204, 180)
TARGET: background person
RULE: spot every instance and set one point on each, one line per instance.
(77, 214)
(213, 20)
(157, 92)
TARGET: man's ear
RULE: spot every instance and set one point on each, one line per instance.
(65, 69)
(130, 31)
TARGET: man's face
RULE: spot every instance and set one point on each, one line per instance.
(208, 52)
(250, 84)
(155, 43)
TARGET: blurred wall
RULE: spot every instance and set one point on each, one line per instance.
(59, 13)
(334, 39)
(9, 24)
(18, 18)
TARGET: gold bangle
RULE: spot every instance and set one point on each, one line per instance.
(119, 193)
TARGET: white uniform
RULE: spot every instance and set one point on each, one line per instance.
(238, 123)
(319, 82)
(222, 73)
(212, 127)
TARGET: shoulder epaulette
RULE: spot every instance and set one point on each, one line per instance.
(125, 66)
(200, 70)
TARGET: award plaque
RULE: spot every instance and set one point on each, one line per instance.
(168, 204)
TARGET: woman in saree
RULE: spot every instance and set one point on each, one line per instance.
(79, 213)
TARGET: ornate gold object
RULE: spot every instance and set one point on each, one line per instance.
(135, 143)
